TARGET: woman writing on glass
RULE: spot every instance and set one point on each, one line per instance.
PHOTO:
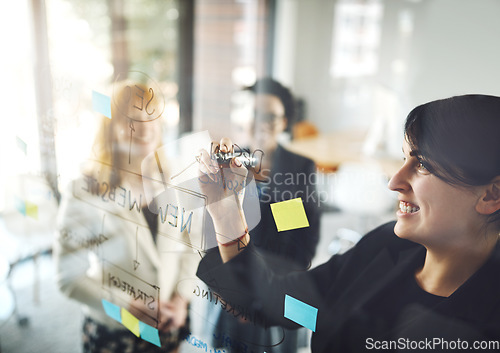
(430, 280)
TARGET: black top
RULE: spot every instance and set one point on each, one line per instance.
(291, 176)
(385, 316)
(364, 295)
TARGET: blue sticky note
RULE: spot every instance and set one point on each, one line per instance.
(101, 103)
(22, 145)
(20, 205)
(112, 310)
(300, 312)
(149, 333)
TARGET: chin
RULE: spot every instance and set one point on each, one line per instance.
(403, 232)
(410, 234)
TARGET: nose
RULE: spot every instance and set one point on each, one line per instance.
(401, 180)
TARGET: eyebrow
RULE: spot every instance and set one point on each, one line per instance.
(413, 153)
(416, 153)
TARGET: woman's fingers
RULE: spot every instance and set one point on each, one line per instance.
(239, 175)
(166, 320)
(163, 326)
(237, 168)
(214, 147)
(207, 164)
(226, 145)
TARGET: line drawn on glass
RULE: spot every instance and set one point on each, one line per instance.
(136, 262)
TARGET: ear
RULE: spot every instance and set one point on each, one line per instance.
(489, 202)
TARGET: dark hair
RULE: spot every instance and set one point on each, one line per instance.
(458, 139)
(267, 85)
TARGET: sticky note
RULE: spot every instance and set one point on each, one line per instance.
(300, 312)
(20, 205)
(112, 310)
(101, 103)
(130, 322)
(22, 145)
(149, 333)
(31, 210)
(289, 214)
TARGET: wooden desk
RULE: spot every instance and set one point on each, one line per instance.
(329, 150)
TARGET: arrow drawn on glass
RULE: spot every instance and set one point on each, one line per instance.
(136, 263)
(132, 129)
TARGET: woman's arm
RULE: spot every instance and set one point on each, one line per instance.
(224, 188)
(235, 270)
(249, 285)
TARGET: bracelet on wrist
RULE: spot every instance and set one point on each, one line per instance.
(237, 240)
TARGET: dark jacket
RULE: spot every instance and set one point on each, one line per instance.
(292, 176)
(351, 284)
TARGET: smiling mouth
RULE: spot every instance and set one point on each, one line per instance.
(406, 207)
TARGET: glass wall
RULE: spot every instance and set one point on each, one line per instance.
(94, 91)
(107, 103)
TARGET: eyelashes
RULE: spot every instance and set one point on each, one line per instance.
(422, 165)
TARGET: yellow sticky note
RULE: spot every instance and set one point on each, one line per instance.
(130, 322)
(32, 210)
(289, 214)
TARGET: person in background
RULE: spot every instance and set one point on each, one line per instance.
(431, 276)
(281, 176)
(109, 246)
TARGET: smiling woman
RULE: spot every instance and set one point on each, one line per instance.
(449, 187)
(430, 277)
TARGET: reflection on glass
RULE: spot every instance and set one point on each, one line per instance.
(356, 38)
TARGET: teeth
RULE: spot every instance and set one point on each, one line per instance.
(406, 207)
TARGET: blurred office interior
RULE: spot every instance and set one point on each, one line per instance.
(356, 68)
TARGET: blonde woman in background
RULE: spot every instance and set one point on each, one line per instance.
(108, 246)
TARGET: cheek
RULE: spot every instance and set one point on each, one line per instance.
(261, 137)
(261, 133)
(447, 205)
(433, 202)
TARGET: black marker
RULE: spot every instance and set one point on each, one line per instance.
(249, 161)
